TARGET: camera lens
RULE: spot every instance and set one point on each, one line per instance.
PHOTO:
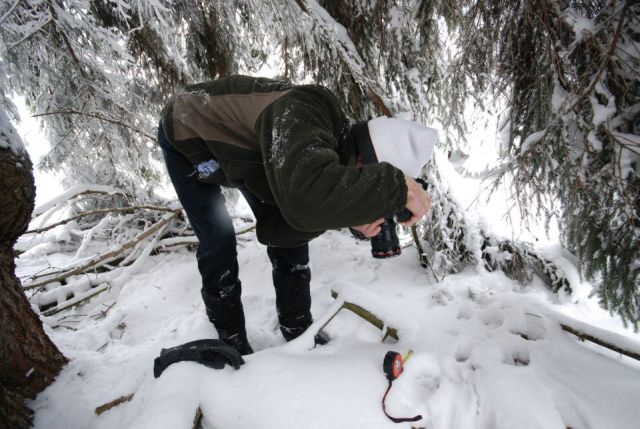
(386, 243)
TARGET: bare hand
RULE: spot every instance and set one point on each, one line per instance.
(371, 229)
(418, 202)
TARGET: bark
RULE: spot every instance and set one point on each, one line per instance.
(29, 361)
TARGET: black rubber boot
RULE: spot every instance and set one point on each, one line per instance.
(225, 311)
(237, 340)
(293, 301)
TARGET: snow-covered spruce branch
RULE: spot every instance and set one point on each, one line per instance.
(98, 212)
(108, 256)
(449, 243)
(605, 62)
(63, 35)
(347, 50)
(99, 117)
(518, 261)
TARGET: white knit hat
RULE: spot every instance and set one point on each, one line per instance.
(404, 144)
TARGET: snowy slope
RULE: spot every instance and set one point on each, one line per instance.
(488, 353)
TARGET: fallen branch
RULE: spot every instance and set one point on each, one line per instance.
(109, 405)
(191, 240)
(368, 316)
(599, 341)
(74, 192)
(106, 257)
(104, 286)
(97, 212)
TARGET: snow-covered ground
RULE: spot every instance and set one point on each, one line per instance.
(488, 353)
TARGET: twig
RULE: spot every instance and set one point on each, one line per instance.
(103, 313)
(246, 229)
(95, 212)
(105, 257)
(422, 256)
(109, 405)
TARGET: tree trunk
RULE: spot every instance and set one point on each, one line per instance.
(29, 361)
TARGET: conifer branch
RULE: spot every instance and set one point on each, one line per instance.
(99, 117)
(65, 39)
(607, 58)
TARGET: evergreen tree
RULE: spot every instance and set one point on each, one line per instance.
(101, 70)
(568, 72)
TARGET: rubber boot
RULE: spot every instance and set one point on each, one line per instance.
(293, 301)
(225, 311)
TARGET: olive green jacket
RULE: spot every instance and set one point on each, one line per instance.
(288, 145)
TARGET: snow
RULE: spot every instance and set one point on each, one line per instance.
(487, 352)
(532, 140)
(9, 138)
(578, 22)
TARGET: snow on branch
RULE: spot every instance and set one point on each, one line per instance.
(107, 256)
(73, 192)
(98, 212)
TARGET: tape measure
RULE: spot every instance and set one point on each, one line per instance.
(393, 365)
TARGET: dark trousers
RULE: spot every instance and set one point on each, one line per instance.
(217, 257)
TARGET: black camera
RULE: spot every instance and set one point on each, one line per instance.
(386, 244)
